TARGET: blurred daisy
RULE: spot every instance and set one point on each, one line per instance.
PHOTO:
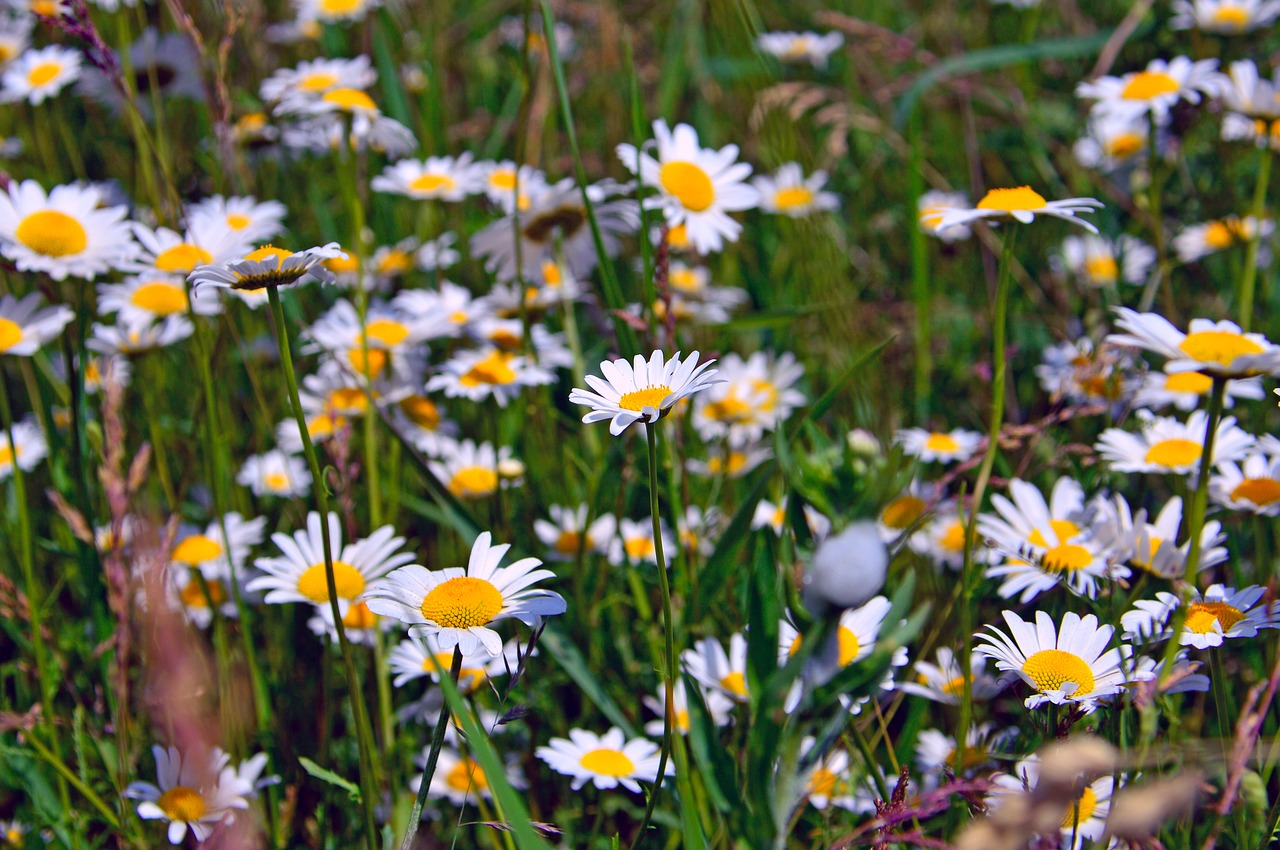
(509, 187)
(209, 551)
(460, 779)
(642, 391)
(335, 11)
(65, 233)
(440, 178)
(438, 254)
(15, 36)
(1220, 613)
(1022, 204)
(139, 336)
(147, 298)
(473, 471)
(275, 474)
(450, 301)
(1253, 485)
(936, 751)
(929, 211)
(314, 78)
(361, 625)
(751, 396)
(268, 266)
(1116, 139)
(1156, 88)
(1081, 372)
(424, 423)
(1200, 240)
(1188, 390)
(187, 596)
(567, 535)
(697, 186)
(194, 792)
(1154, 547)
(418, 655)
(788, 192)
(1168, 446)
(731, 463)
(27, 449)
(607, 760)
(856, 634)
(298, 573)
(904, 510)
(39, 73)
(1085, 820)
(634, 543)
(943, 539)
(1099, 261)
(796, 47)
(460, 606)
(719, 708)
(248, 218)
(25, 328)
(830, 781)
(488, 373)
(168, 252)
(163, 66)
(713, 668)
(1067, 664)
(774, 517)
(1224, 17)
(938, 446)
(1218, 348)
(944, 681)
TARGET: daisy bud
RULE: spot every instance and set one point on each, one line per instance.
(862, 442)
(847, 569)
(510, 468)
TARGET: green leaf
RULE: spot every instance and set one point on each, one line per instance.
(325, 775)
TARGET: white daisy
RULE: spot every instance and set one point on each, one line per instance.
(730, 462)
(275, 474)
(27, 449)
(460, 779)
(1156, 88)
(147, 298)
(608, 760)
(25, 328)
(1224, 17)
(713, 668)
(360, 624)
(1218, 348)
(65, 233)
(788, 192)
(1022, 204)
(719, 708)
(1252, 486)
(247, 217)
(1118, 139)
(335, 11)
(795, 47)
(268, 266)
(830, 781)
(1099, 261)
(459, 606)
(439, 178)
(1188, 390)
(771, 516)
(1220, 613)
(438, 254)
(139, 335)
(39, 73)
(642, 391)
(944, 681)
(1154, 547)
(1168, 446)
(567, 535)
(634, 542)
(938, 446)
(1083, 821)
(318, 76)
(185, 595)
(752, 396)
(209, 551)
(1198, 241)
(929, 211)
(1083, 373)
(195, 792)
(503, 181)
(451, 301)
(418, 655)
(488, 373)
(473, 471)
(698, 187)
(937, 753)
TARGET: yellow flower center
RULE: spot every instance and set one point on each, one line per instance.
(1174, 453)
(1147, 85)
(952, 539)
(43, 73)
(1102, 268)
(1221, 347)
(504, 179)
(1202, 615)
(494, 368)
(1066, 557)
(349, 400)
(193, 597)
(822, 783)
(639, 547)
(369, 365)
(472, 482)
(433, 183)
(160, 297)
(1260, 491)
(269, 252)
(648, 397)
(421, 412)
(276, 481)
(793, 197)
(608, 762)
(1050, 669)
(1012, 200)
(1153, 546)
(1231, 17)
(1219, 234)
(678, 236)
(182, 804)
(569, 543)
(351, 100)
(685, 280)
(10, 333)
(52, 233)
(386, 331)
(848, 644)
(334, 8)
(1082, 811)
(902, 511)
(395, 262)
(689, 184)
(462, 603)
(942, 443)
(48, 8)
(469, 678)
(735, 683)
(1124, 145)
(347, 580)
(1188, 382)
(359, 617)
(465, 776)
(731, 408)
(197, 549)
(183, 257)
(953, 687)
(317, 81)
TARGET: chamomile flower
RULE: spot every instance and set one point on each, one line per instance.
(1224, 17)
(634, 543)
(163, 66)
(1253, 485)
(418, 655)
(65, 233)
(1220, 613)
(774, 517)
(1200, 240)
(730, 462)
(642, 391)
(719, 708)
(39, 74)
(938, 446)
(1085, 820)
(1154, 547)
(943, 539)
(424, 422)
(697, 187)
(713, 668)
(148, 298)
(438, 254)
(510, 187)
(460, 606)
(488, 373)
(437, 178)
(936, 751)
(796, 47)
(268, 266)
(905, 509)
(318, 76)
(568, 536)
(335, 11)
(359, 623)
(27, 449)
(1217, 348)
(1081, 372)
(929, 211)
(275, 474)
(451, 301)
(248, 218)
(186, 595)
(473, 471)
(1067, 664)
(752, 396)
(944, 682)
(194, 792)
(139, 335)
(460, 779)
(1188, 390)
(298, 574)
(386, 337)
(607, 760)
(15, 36)
(25, 328)
(830, 781)
(1022, 204)
(788, 192)
(856, 634)
(1156, 88)
(1165, 445)
(211, 552)
(1115, 140)
(1099, 261)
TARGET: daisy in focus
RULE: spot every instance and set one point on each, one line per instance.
(1022, 204)
(607, 760)
(1220, 613)
(193, 792)
(642, 391)
(1165, 445)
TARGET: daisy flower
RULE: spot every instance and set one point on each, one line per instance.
(185, 595)
(567, 535)
(796, 47)
(731, 463)
(936, 751)
(488, 373)
(1188, 390)
(275, 474)
(27, 449)
(938, 446)
(1116, 139)
(502, 182)
(752, 396)
(25, 328)
(268, 266)
(1253, 485)
(424, 423)
(148, 298)
(634, 542)
(830, 781)
(66, 233)
(1022, 204)
(856, 634)
(139, 335)
(15, 36)
(774, 517)
(943, 539)
(335, 11)
(248, 218)
(713, 668)
(1085, 820)
(1154, 547)
(440, 178)
(1155, 89)
(1217, 348)
(697, 187)
(904, 510)
(460, 606)
(473, 471)
(438, 254)
(607, 760)
(944, 681)
(1082, 372)
(1220, 613)
(719, 708)
(318, 76)
(298, 573)
(1168, 446)
(1064, 665)
(1200, 240)
(642, 391)
(460, 779)
(788, 192)
(360, 624)
(418, 655)
(209, 551)
(39, 73)
(450, 301)
(194, 792)
(1224, 17)
(929, 211)
(387, 332)
(1099, 261)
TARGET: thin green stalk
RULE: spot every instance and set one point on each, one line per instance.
(429, 769)
(69, 775)
(1160, 276)
(1249, 277)
(368, 775)
(968, 581)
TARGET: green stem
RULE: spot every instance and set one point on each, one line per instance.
(1249, 276)
(69, 775)
(429, 769)
(368, 775)
(920, 280)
